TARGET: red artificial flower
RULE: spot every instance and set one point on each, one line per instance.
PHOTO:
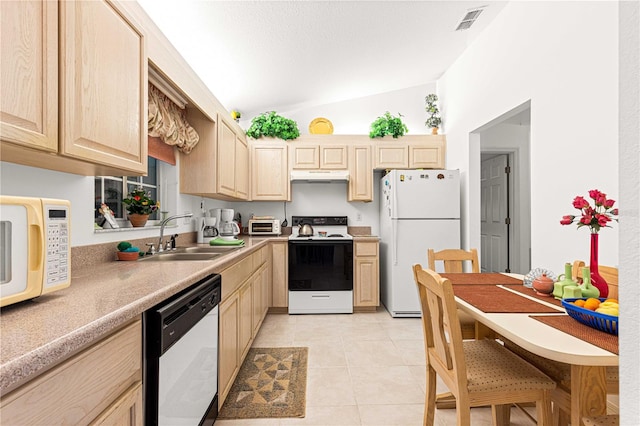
(580, 203)
(567, 220)
(137, 198)
(595, 217)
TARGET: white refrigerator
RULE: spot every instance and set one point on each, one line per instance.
(419, 209)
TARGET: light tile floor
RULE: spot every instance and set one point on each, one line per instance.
(363, 369)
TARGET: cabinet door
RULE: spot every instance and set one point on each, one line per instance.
(226, 159)
(242, 169)
(305, 157)
(246, 317)
(126, 411)
(280, 273)
(366, 288)
(103, 91)
(367, 275)
(92, 380)
(265, 283)
(29, 77)
(269, 175)
(229, 355)
(256, 317)
(361, 173)
(427, 156)
(333, 157)
(391, 156)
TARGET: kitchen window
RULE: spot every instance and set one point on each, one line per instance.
(112, 189)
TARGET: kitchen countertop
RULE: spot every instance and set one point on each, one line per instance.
(43, 332)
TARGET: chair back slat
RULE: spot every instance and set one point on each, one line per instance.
(454, 260)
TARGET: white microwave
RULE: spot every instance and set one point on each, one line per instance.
(35, 247)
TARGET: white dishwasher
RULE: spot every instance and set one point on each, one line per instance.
(181, 357)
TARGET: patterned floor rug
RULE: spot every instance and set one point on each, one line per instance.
(272, 382)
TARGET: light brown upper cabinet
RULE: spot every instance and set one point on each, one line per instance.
(97, 104)
(360, 173)
(269, 171)
(410, 152)
(29, 78)
(218, 166)
(233, 161)
(313, 152)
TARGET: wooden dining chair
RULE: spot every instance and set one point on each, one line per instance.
(478, 372)
(610, 420)
(560, 371)
(455, 260)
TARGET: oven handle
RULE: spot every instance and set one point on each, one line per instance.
(320, 242)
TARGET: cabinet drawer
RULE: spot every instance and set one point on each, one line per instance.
(366, 249)
(234, 276)
(79, 389)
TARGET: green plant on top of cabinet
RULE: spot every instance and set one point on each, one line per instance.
(98, 102)
(388, 125)
(270, 124)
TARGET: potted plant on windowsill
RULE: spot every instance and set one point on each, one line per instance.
(273, 125)
(388, 125)
(139, 206)
(434, 120)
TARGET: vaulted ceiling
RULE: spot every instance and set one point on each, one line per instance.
(283, 55)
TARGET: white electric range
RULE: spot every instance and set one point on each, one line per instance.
(320, 266)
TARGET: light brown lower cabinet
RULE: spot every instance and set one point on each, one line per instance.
(280, 273)
(366, 295)
(241, 314)
(100, 385)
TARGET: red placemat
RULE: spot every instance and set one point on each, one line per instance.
(606, 341)
(486, 278)
(531, 292)
(492, 299)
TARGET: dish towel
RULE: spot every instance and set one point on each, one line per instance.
(221, 242)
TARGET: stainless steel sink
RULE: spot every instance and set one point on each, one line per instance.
(210, 249)
(165, 257)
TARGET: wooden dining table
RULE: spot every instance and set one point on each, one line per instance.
(501, 303)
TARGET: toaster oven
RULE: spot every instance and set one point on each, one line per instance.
(264, 227)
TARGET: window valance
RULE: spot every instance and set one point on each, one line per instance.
(168, 122)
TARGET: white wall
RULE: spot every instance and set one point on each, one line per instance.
(79, 190)
(567, 68)
(354, 117)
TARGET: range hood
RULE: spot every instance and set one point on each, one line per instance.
(319, 176)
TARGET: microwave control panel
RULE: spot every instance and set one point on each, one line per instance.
(57, 262)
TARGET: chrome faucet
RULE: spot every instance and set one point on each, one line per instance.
(164, 223)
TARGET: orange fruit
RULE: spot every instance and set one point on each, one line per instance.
(591, 304)
(579, 302)
(612, 300)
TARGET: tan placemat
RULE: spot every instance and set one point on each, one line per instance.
(565, 323)
(482, 278)
(492, 299)
(531, 292)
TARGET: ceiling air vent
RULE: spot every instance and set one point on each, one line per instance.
(469, 18)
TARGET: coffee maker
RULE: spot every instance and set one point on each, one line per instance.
(227, 227)
(206, 229)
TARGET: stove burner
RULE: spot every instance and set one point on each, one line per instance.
(335, 235)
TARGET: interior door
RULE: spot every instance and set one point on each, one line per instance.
(494, 215)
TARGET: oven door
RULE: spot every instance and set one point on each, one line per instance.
(321, 265)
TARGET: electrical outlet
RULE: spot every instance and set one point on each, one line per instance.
(358, 217)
